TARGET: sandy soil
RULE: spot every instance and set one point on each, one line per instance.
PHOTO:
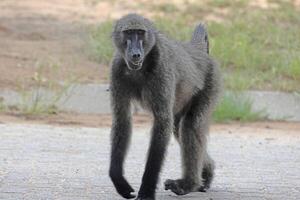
(83, 120)
(35, 33)
(69, 119)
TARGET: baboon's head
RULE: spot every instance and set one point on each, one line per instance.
(134, 37)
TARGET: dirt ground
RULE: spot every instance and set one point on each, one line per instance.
(69, 119)
(89, 120)
(36, 33)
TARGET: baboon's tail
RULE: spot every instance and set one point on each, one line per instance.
(200, 38)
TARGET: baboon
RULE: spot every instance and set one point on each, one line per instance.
(178, 82)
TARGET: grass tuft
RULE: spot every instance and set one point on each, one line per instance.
(39, 101)
(100, 42)
(235, 107)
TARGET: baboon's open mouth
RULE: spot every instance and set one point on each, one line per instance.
(135, 68)
(138, 63)
(135, 65)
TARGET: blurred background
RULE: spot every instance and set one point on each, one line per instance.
(47, 47)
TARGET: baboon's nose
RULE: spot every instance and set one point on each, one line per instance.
(136, 55)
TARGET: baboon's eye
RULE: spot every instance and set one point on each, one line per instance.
(140, 32)
(128, 32)
(127, 43)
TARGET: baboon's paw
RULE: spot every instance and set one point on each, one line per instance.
(203, 189)
(123, 187)
(179, 186)
(126, 191)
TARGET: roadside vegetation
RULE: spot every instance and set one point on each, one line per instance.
(257, 47)
(256, 44)
(236, 107)
(44, 95)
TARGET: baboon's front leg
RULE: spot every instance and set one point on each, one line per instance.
(120, 136)
(160, 137)
(161, 130)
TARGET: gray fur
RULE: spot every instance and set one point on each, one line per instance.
(179, 84)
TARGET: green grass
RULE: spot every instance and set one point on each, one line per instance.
(294, 68)
(100, 42)
(256, 48)
(227, 3)
(261, 47)
(234, 107)
(165, 8)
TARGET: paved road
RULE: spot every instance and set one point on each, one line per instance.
(45, 162)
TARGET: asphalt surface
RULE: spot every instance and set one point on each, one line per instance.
(46, 162)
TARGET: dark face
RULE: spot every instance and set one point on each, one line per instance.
(134, 40)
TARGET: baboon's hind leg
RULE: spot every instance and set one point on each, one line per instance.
(176, 130)
(193, 151)
(207, 173)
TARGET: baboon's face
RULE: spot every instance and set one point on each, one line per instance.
(134, 37)
(133, 41)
